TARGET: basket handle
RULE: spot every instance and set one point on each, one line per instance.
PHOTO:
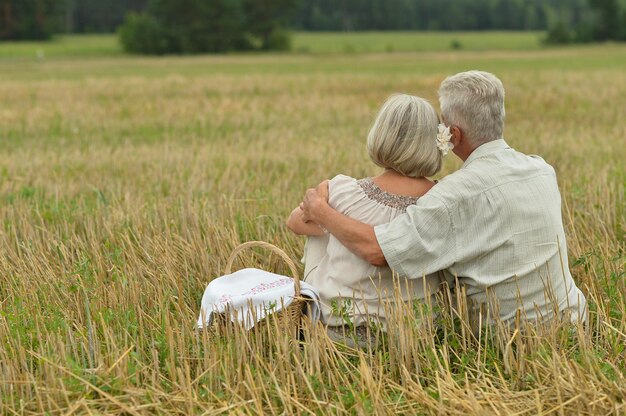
(271, 247)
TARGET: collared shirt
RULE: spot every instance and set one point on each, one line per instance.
(496, 225)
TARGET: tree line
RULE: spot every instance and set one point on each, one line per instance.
(188, 26)
(436, 14)
(564, 20)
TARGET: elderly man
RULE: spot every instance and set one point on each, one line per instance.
(495, 224)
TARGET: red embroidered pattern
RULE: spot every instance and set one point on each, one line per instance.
(262, 287)
(265, 286)
(224, 299)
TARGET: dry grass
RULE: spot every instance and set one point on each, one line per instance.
(126, 183)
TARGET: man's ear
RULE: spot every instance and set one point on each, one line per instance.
(457, 135)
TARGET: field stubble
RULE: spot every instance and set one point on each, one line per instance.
(124, 192)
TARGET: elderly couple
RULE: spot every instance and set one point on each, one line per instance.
(492, 228)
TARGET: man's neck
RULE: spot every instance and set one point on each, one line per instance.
(483, 150)
(464, 151)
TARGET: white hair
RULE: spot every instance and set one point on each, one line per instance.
(474, 102)
(404, 137)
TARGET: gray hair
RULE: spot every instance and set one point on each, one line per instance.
(474, 102)
(404, 137)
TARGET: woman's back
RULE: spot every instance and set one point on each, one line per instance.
(404, 140)
(348, 285)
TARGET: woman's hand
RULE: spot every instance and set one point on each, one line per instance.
(315, 200)
(298, 225)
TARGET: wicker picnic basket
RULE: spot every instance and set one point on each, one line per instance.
(292, 314)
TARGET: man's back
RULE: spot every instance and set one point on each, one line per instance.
(496, 225)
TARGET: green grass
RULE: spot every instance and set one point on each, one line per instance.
(63, 46)
(359, 42)
(125, 183)
(86, 56)
(303, 42)
(581, 58)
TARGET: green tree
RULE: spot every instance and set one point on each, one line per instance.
(142, 33)
(608, 26)
(29, 19)
(559, 33)
(196, 26)
(84, 16)
(266, 20)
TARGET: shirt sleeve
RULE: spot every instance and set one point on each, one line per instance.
(341, 193)
(421, 241)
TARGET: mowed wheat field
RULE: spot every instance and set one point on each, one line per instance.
(126, 182)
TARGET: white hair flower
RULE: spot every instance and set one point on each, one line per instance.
(443, 139)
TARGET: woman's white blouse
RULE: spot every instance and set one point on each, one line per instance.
(348, 285)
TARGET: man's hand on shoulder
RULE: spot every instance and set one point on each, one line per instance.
(314, 202)
(322, 189)
(358, 237)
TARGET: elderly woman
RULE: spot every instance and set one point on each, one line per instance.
(404, 141)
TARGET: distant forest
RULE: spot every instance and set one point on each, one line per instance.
(347, 15)
(84, 16)
(172, 26)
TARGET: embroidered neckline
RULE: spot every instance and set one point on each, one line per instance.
(376, 194)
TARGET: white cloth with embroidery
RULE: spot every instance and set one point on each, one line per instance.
(253, 294)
